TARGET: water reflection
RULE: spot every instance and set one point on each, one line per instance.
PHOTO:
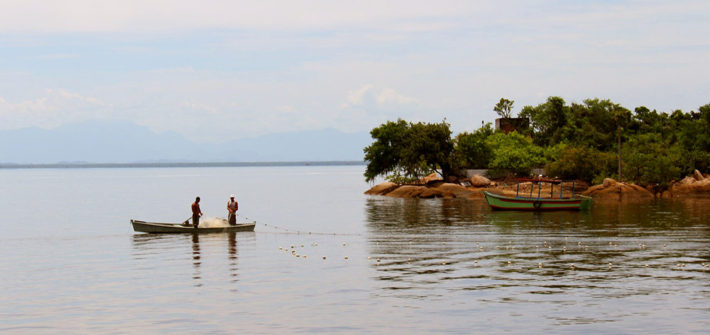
(454, 244)
(144, 241)
(233, 270)
(196, 258)
(172, 248)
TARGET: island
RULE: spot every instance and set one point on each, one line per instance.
(607, 150)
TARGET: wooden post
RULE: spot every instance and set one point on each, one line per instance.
(618, 137)
(517, 189)
(561, 189)
(531, 188)
(573, 189)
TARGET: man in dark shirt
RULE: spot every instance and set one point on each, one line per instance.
(196, 212)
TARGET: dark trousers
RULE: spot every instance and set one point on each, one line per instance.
(195, 220)
(232, 218)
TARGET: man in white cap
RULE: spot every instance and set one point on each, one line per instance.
(232, 207)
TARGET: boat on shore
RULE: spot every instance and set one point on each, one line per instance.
(532, 203)
(178, 228)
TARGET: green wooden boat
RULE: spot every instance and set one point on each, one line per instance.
(177, 228)
(532, 203)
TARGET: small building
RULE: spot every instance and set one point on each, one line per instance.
(510, 124)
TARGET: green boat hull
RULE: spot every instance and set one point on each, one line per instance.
(500, 202)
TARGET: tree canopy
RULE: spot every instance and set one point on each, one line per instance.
(406, 151)
(572, 141)
(513, 152)
(471, 150)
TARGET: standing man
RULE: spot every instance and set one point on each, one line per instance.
(196, 212)
(232, 207)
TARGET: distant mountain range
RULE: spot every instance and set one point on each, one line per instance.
(124, 142)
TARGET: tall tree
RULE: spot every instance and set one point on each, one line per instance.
(407, 151)
(384, 155)
(504, 107)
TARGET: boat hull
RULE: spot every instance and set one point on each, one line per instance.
(500, 202)
(176, 228)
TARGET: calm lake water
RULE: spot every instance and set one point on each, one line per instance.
(72, 264)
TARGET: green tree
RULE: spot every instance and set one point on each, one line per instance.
(583, 163)
(645, 120)
(704, 115)
(515, 153)
(650, 161)
(429, 148)
(383, 156)
(593, 124)
(587, 141)
(548, 121)
(504, 107)
(471, 150)
(692, 134)
(408, 151)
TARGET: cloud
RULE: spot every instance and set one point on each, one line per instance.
(58, 56)
(176, 15)
(369, 96)
(390, 96)
(357, 97)
(55, 107)
(370, 105)
(244, 69)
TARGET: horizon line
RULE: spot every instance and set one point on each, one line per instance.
(84, 165)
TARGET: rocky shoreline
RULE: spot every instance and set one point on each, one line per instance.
(696, 186)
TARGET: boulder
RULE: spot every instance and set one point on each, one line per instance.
(451, 179)
(450, 190)
(579, 186)
(687, 180)
(432, 177)
(382, 189)
(698, 176)
(696, 186)
(612, 190)
(480, 181)
(433, 192)
(441, 190)
(411, 191)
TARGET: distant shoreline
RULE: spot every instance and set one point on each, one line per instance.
(176, 165)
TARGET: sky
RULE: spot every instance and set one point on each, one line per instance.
(216, 71)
